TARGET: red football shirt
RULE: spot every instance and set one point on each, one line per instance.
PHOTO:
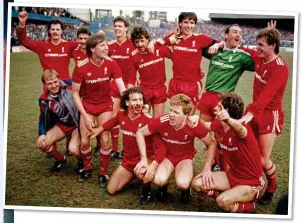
(242, 154)
(129, 127)
(269, 83)
(151, 67)
(179, 142)
(95, 79)
(121, 54)
(56, 57)
(78, 54)
(187, 56)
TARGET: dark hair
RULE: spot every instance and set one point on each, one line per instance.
(187, 15)
(126, 96)
(233, 103)
(272, 36)
(55, 22)
(121, 19)
(182, 100)
(139, 32)
(92, 41)
(227, 30)
(83, 30)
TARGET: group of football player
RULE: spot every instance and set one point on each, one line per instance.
(105, 95)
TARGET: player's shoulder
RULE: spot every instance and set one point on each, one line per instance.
(147, 116)
(43, 98)
(134, 52)
(83, 62)
(112, 42)
(164, 118)
(280, 62)
(244, 53)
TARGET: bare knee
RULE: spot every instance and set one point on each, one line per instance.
(74, 150)
(196, 185)
(223, 202)
(159, 180)
(183, 184)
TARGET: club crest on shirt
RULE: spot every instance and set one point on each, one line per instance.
(165, 134)
(105, 70)
(49, 50)
(186, 137)
(127, 51)
(157, 53)
(123, 123)
(230, 59)
(140, 125)
(230, 141)
(89, 74)
(193, 43)
(142, 60)
(62, 49)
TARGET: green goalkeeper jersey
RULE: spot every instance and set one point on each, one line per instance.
(225, 68)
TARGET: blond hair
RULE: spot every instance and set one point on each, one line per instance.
(182, 100)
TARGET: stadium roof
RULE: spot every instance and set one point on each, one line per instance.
(246, 16)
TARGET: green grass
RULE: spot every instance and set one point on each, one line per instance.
(29, 182)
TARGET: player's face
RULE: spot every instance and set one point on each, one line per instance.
(52, 85)
(135, 104)
(120, 29)
(100, 50)
(187, 27)
(141, 44)
(55, 32)
(176, 115)
(82, 38)
(233, 38)
(264, 50)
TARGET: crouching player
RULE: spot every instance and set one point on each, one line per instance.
(130, 120)
(58, 119)
(179, 141)
(237, 188)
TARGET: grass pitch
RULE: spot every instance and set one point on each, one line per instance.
(29, 182)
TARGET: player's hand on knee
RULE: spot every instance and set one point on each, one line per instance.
(139, 165)
(206, 179)
(150, 172)
(41, 141)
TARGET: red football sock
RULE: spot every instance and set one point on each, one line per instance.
(86, 157)
(212, 193)
(114, 136)
(271, 178)
(248, 207)
(54, 152)
(104, 159)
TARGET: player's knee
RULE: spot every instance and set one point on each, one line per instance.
(196, 185)
(85, 142)
(74, 150)
(222, 201)
(159, 180)
(183, 184)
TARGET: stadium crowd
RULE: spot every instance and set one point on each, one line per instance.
(58, 12)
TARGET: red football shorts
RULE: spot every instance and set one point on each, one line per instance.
(129, 164)
(208, 102)
(256, 184)
(269, 121)
(190, 89)
(155, 95)
(177, 159)
(67, 130)
(97, 109)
